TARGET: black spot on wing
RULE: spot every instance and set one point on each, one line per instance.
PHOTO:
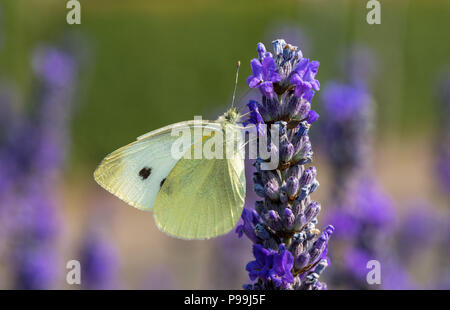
(145, 173)
(162, 182)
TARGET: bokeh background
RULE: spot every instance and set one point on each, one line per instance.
(70, 94)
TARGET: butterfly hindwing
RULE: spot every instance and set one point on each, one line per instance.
(201, 198)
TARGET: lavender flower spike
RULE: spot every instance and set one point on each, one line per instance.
(290, 252)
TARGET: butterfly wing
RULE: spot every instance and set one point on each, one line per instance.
(201, 198)
(136, 172)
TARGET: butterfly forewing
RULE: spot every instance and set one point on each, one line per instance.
(136, 172)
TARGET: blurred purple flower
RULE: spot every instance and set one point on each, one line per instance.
(33, 267)
(55, 67)
(363, 214)
(417, 231)
(356, 260)
(31, 170)
(359, 65)
(99, 263)
(33, 228)
(442, 159)
(159, 279)
(372, 206)
(346, 139)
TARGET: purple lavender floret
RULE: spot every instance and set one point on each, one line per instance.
(264, 74)
(290, 252)
(250, 219)
(272, 266)
(304, 79)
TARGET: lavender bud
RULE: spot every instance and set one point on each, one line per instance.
(303, 109)
(272, 107)
(283, 196)
(311, 280)
(270, 176)
(282, 126)
(302, 147)
(286, 150)
(311, 231)
(306, 146)
(295, 171)
(302, 261)
(257, 178)
(314, 186)
(318, 247)
(299, 222)
(303, 129)
(312, 210)
(291, 107)
(273, 150)
(323, 263)
(288, 218)
(292, 187)
(261, 232)
(259, 206)
(259, 190)
(278, 46)
(296, 247)
(308, 176)
(274, 220)
(312, 116)
(270, 205)
(329, 230)
(297, 207)
(303, 193)
(271, 190)
(261, 50)
(287, 52)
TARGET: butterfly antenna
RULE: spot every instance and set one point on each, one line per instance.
(244, 94)
(235, 83)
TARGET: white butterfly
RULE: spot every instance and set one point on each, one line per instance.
(190, 198)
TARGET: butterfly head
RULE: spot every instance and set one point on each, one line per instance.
(230, 116)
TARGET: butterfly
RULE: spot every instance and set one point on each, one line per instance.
(191, 198)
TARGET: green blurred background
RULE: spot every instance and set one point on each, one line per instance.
(158, 62)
